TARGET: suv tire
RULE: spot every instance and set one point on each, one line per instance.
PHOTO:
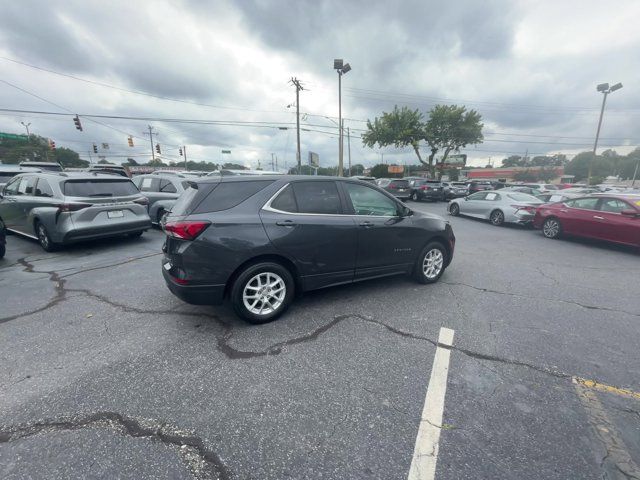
(262, 287)
(44, 239)
(430, 264)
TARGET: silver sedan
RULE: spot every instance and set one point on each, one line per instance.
(497, 206)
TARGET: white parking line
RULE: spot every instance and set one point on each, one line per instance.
(425, 454)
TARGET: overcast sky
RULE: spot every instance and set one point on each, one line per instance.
(529, 67)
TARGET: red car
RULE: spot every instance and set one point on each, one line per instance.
(614, 218)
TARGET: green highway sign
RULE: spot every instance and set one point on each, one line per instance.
(13, 136)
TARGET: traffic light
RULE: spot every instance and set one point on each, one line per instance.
(158, 148)
(180, 150)
(130, 140)
(52, 145)
(76, 120)
(95, 148)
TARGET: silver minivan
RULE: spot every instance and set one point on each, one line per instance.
(60, 208)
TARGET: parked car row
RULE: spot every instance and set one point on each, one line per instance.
(614, 217)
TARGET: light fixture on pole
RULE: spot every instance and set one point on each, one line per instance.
(341, 68)
(605, 89)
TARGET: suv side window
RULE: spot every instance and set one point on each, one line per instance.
(27, 185)
(11, 188)
(167, 187)
(367, 201)
(150, 184)
(317, 197)
(43, 189)
(226, 195)
(286, 201)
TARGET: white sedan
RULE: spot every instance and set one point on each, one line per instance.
(497, 206)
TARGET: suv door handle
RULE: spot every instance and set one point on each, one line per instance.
(597, 217)
(367, 224)
(286, 223)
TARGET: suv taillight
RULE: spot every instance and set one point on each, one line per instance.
(73, 207)
(185, 230)
(424, 187)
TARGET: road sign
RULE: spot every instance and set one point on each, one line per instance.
(395, 169)
(314, 159)
(453, 161)
(13, 136)
(226, 151)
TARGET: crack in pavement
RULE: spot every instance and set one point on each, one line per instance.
(558, 300)
(61, 292)
(203, 463)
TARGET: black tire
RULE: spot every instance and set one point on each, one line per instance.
(44, 239)
(552, 228)
(135, 234)
(497, 218)
(421, 270)
(454, 209)
(2, 250)
(252, 279)
(414, 197)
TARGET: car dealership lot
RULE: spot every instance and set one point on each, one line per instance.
(104, 373)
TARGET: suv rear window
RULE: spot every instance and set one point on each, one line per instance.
(229, 194)
(400, 183)
(99, 188)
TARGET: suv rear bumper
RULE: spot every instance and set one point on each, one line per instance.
(194, 294)
(79, 234)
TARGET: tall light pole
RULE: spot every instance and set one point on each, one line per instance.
(605, 89)
(26, 125)
(341, 68)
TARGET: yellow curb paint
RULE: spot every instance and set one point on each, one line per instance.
(601, 387)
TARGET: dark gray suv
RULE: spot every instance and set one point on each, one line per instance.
(259, 240)
(65, 207)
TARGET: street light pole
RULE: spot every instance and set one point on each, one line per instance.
(605, 90)
(26, 125)
(341, 68)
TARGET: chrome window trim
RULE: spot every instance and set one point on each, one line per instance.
(268, 208)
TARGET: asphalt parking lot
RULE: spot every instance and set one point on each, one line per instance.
(104, 374)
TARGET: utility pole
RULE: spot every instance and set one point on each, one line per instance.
(90, 158)
(184, 150)
(296, 83)
(349, 147)
(153, 155)
(635, 173)
(272, 161)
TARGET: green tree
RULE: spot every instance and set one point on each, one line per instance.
(357, 169)
(156, 162)
(234, 166)
(69, 158)
(602, 167)
(512, 161)
(448, 128)
(451, 128)
(380, 170)
(401, 128)
(131, 162)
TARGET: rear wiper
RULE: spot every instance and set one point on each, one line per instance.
(101, 195)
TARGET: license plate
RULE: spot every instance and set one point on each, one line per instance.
(115, 214)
